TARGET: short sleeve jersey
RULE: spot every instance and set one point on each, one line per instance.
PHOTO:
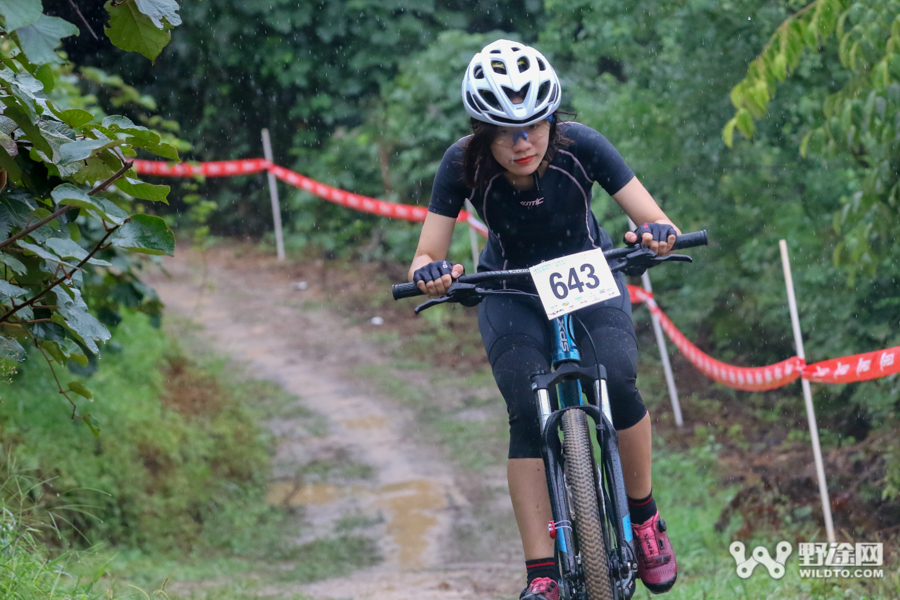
(550, 220)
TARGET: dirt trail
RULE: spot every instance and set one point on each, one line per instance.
(250, 311)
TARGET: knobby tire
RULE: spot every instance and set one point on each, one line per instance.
(580, 472)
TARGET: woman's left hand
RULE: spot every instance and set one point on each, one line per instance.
(658, 237)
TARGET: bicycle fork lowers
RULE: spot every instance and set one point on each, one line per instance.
(590, 569)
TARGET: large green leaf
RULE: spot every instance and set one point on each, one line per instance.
(159, 10)
(95, 169)
(112, 212)
(43, 253)
(65, 248)
(10, 290)
(150, 141)
(146, 234)
(8, 163)
(56, 134)
(83, 149)
(46, 76)
(10, 349)
(143, 190)
(76, 317)
(19, 13)
(14, 264)
(117, 123)
(132, 30)
(17, 112)
(40, 40)
(8, 144)
(75, 117)
(70, 195)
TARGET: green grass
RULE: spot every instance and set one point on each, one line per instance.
(172, 494)
(175, 446)
(691, 500)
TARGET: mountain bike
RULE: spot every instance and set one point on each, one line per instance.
(591, 524)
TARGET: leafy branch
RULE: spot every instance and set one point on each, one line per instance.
(808, 28)
(66, 275)
(859, 121)
(50, 149)
(58, 384)
(103, 186)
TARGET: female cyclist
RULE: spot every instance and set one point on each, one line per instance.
(529, 177)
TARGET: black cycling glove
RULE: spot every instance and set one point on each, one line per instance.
(433, 270)
(659, 231)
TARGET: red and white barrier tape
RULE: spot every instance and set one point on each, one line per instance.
(849, 369)
(859, 367)
(222, 168)
(756, 379)
(227, 168)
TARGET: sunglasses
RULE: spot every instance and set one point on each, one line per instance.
(509, 136)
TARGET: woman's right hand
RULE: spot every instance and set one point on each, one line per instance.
(435, 278)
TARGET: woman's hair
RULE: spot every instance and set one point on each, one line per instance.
(479, 164)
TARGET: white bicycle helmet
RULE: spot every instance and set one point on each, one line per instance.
(505, 68)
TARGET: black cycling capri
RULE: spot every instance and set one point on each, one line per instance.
(514, 331)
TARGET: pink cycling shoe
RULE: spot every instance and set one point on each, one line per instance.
(656, 558)
(542, 588)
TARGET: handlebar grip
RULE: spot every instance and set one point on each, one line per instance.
(689, 240)
(405, 290)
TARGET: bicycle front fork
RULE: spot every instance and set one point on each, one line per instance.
(611, 489)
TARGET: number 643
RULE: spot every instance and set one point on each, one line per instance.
(562, 288)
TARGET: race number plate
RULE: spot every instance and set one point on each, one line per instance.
(572, 282)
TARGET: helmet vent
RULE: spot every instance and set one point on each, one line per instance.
(478, 72)
(543, 91)
(471, 101)
(479, 105)
(496, 52)
(523, 64)
(490, 98)
(541, 65)
(498, 67)
(517, 94)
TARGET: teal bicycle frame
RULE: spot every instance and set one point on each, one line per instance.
(568, 376)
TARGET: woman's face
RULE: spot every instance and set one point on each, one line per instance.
(520, 150)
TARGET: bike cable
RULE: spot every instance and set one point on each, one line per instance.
(590, 339)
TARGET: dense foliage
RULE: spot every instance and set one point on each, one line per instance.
(67, 234)
(858, 121)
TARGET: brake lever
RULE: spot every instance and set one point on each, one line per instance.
(637, 262)
(676, 258)
(457, 292)
(433, 302)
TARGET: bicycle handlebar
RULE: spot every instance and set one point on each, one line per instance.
(410, 290)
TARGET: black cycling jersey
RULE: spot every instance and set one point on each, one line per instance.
(552, 219)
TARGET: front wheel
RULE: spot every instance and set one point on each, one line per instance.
(580, 472)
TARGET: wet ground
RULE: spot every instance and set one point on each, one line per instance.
(402, 487)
